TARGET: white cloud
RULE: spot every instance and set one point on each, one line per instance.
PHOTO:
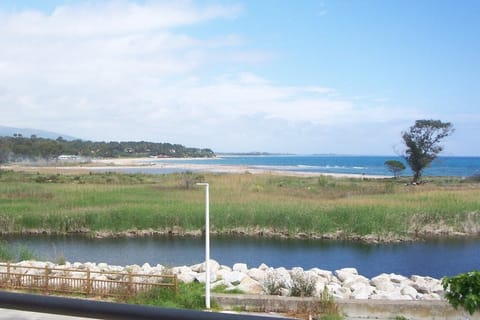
(121, 70)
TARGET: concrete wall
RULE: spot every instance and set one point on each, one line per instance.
(351, 309)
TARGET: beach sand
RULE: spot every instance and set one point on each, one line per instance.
(135, 163)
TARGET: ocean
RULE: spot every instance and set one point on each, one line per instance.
(368, 165)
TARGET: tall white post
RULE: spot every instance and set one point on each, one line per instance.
(207, 245)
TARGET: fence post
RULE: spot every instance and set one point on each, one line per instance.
(89, 283)
(46, 278)
(9, 280)
(175, 281)
(130, 283)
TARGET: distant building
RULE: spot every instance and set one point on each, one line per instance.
(71, 158)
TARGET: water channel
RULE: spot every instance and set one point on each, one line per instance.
(435, 257)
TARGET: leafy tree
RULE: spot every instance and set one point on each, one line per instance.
(463, 290)
(423, 144)
(395, 167)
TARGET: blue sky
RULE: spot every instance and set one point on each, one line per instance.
(280, 76)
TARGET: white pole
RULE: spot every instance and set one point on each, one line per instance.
(207, 245)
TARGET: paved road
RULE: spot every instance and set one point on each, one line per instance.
(26, 315)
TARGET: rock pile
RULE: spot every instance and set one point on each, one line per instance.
(344, 283)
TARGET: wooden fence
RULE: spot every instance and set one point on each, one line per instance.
(74, 281)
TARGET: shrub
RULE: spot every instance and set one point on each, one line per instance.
(463, 290)
(273, 283)
(6, 252)
(303, 284)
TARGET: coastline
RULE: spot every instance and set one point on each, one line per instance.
(137, 163)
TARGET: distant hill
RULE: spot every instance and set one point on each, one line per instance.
(27, 133)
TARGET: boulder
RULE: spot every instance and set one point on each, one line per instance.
(263, 267)
(202, 277)
(338, 291)
(234, 277)
(345, 273)
(426, 284)
(361, 290)
(320, 285)
(251, 286)
(396, 278)
(146, 268)
(181, 270)
(186, 277)
(257, 274)
(383, 283)
(410, 291)
(323, 273)
(240, 267)
(354, 279)
(431, 296)
(201, 267)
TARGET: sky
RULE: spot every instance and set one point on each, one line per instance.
(307, 77)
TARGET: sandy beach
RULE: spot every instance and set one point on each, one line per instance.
(113, 164)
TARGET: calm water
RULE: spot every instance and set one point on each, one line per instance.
(434, 258)
(370, 165)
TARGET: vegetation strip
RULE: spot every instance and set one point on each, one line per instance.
(264, 205)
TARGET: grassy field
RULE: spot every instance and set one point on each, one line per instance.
(238, 202)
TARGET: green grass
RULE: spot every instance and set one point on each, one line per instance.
(190, 296)
(9, 253)
(119, 202)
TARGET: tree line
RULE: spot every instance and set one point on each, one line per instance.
(35, 148)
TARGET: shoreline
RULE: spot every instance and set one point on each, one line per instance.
(136, 163)
(261, 234)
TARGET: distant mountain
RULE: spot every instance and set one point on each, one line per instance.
(26, 132)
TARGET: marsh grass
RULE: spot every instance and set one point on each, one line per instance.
(9, 253)
(118, 202)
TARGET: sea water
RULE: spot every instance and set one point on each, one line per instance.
(368, 165)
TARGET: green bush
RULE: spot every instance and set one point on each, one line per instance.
(463, 290)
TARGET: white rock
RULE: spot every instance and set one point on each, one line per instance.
(383, 283)
(345, 273)
(425, 284)
(214, 266)
(227, 268)
(251, 286)
(338, 291)
(103, 266)
(320, 285)
(135, 268)
(146, 267)
(296, 270)
(430, 296)
(186, 277)
(263, 267)
(361, 291)
(202, 277)
(284, 292)
(396, 278)
(410, 291)
(240, 267)
(354, 279)
(234, 277)
(257, 274)
(323, 273)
